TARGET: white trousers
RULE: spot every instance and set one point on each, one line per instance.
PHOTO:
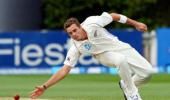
(136, 72)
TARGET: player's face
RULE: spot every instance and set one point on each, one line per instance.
(77, 33)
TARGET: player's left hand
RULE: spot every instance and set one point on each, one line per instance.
(37, 92)
(141, 27)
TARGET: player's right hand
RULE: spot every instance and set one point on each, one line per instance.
(37, 92)
(141, 27)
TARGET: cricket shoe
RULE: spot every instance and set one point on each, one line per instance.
(122, 86)
(135, 96)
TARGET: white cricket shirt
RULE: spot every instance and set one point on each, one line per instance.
(99, 39)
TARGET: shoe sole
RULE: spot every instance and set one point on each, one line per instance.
(122, 91)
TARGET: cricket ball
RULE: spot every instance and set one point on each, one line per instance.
(16, 97)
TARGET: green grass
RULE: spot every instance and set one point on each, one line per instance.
(83, 87)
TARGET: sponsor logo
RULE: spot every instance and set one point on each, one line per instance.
(87, 46)
(31, 54)
(19, 52)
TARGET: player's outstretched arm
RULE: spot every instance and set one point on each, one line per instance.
(138, 25)
(123, 19)
(53, 80)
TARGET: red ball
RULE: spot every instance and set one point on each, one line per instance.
(16, 97)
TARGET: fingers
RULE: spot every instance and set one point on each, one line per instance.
(144, 28)
(141, 27)
(36, 93)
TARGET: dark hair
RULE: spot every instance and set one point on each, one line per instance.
(71, 21)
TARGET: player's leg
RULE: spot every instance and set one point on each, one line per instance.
(119, 60)
(125, 74)
(141, 68)
(127, 84)
(141, 75)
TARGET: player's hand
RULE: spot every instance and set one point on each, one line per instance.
(37, 92)
(141, 27)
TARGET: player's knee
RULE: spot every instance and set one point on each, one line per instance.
(121, 60)
(148, 73)
(147, 76)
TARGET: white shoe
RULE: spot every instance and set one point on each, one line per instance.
(135, 96)
(122, 86)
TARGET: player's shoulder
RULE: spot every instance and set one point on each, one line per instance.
(90, 20)
(99, 20)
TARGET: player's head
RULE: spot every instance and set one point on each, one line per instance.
(73, 28)
(71, 21)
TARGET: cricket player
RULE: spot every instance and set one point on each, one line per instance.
(90, 37)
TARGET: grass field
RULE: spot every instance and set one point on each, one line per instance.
(82, 87)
